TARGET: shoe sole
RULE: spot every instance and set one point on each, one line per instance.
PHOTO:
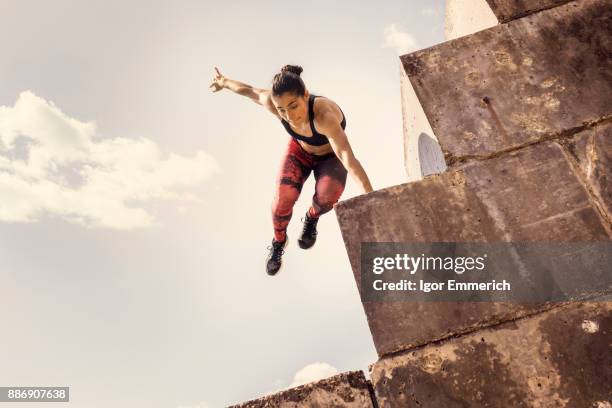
(306, 248)
(282, 263)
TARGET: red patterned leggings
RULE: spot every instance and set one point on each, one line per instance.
(330, 177)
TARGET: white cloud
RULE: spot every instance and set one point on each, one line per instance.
(401, 41)
(52, 163)
(430, 11)
(313, 372)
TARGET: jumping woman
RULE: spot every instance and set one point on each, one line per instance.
(318, 144)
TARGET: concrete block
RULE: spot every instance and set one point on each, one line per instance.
(540, 77)
(560, 358)
(531, 194)
(346, 390)
(506, 10)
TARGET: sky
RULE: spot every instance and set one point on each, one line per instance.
(135, 203)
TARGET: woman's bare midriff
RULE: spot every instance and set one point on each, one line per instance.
(316, 150)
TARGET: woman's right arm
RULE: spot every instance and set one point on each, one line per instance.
(257, 95)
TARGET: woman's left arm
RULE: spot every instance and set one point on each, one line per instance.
(329, 126)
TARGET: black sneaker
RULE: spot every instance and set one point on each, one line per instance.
(274, 261)
(309, 233)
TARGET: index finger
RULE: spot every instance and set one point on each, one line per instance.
(217, 69)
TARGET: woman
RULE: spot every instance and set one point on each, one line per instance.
(318, 143)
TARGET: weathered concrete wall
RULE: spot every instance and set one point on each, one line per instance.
(560, 358)
(486, 201)
(538, 77)
(346, 390)
(507, 10)
(464, 17)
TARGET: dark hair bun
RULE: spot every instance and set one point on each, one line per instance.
(296, 69)
(289, 80)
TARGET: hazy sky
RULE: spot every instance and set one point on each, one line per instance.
(135, 204)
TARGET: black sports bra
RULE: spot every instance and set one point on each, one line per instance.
(317, 139)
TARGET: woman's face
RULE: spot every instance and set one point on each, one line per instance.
(291, 107)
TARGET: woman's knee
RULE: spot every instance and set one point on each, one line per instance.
(325, 203)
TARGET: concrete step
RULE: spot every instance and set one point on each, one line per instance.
(535, 194)
(560, 358)
(350, 390)
(506, 10)
(543, 76)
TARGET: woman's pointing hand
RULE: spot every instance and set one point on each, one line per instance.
(218, 81)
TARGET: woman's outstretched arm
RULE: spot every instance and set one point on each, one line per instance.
(328, 124)
(257, 95)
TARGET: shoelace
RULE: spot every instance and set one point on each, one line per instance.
(276, 252)
(309, 226)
